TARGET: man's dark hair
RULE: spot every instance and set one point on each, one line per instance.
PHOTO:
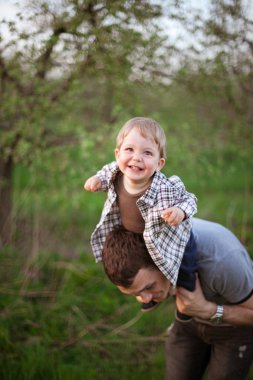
(124, 254)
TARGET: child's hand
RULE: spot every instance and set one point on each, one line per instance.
(173, 215)
(92, 184)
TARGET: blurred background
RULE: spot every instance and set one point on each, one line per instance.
(72, 72)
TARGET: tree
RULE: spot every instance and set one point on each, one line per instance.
(53, 45)
(217, 58)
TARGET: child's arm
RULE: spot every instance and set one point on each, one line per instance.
(92, 184)
(101, 180)
(173, 215)
(185, 203)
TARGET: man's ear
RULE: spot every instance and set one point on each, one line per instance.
(161, 163)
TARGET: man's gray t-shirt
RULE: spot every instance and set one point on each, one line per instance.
(224, 266)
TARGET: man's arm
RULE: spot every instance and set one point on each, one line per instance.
(241, 314)
(195, 305)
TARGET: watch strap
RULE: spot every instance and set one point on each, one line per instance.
(217, 317)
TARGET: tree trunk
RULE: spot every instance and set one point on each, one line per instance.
(6, 171)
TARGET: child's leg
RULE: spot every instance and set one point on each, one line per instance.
(187, 272)
(186, 276)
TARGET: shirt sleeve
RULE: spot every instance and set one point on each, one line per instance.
(105, 175)
(183, 199)
(233, 277)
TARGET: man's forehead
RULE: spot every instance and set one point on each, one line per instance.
(143, 278)
(145, 274)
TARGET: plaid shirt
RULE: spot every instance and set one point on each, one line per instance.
(165, 243)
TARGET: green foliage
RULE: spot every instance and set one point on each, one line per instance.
(37, 76)
(62, 319)
(63, 101)
(217, 62)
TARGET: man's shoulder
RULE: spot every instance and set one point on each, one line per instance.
(218, 249)
(208, 232)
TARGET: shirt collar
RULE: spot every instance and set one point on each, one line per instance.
(150, 195)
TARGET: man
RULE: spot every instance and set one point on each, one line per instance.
(220, 334)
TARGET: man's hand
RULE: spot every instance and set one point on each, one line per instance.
(173, 215)
(194, 303)
(92, 184)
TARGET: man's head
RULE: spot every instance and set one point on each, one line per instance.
(129, 266)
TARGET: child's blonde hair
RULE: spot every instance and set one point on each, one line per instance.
(147, 127)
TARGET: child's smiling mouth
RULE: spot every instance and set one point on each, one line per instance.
(134, 167)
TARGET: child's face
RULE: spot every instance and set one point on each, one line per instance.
(138, 157)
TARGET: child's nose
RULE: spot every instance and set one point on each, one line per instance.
(137, 156)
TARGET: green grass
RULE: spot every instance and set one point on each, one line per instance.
(62, 319)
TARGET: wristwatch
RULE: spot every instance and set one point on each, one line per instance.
(217, 317)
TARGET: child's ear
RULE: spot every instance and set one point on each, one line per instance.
(161, 163)
(116, 152)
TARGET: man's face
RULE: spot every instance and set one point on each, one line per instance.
(149, 285)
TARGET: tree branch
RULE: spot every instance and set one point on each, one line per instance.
(44, 59)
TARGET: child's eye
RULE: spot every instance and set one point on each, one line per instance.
(148, 153)
(128, 149)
